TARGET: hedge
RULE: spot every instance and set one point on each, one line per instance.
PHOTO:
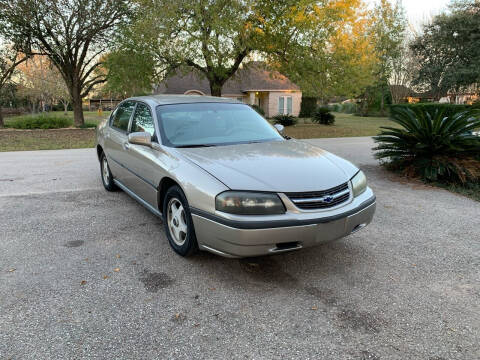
(450, 109)
(40, 121)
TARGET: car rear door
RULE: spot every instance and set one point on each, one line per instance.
(142, 177)
(116, 139)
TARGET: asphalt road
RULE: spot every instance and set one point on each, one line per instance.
(89, 274)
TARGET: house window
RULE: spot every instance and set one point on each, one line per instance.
(285, 105)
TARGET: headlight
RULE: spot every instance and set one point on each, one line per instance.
(249, 203)
(359, 183)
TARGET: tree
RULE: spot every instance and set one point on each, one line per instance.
(448, 50)
(388, 32)
(41, 82)
(214, 37)
(10, 58)
(72, 33)
(129, 73)
(404, 69)
(344, 57)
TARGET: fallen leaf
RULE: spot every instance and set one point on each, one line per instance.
(134, 262)
(105, 276)
(212, 289)
(118, 256)
(314, 307)
(86, 259)
(83, 282)
(177, 315)
(116, 269)
(196, 325)
(12, 270)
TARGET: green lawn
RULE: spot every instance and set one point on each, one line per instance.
(71, 138)
(346, 125)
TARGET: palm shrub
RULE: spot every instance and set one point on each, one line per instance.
(323, 116)
(431, 144)
(285, 120)
(258, 109)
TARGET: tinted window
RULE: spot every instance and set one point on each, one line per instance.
(122, 115)
(213, 124)
(143, 120)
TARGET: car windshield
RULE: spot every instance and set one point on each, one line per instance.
(213, 124)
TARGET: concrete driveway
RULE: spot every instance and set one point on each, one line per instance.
(89, 274)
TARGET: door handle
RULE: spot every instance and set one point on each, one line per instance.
(126, 145)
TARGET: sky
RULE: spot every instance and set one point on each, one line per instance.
(420, 10)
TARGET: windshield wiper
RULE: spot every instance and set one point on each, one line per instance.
(194, 146)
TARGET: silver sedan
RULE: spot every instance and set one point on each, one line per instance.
(225, 180)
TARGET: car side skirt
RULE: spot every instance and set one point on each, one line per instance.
(138, 198)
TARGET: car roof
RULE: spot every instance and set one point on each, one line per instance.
(182, 99)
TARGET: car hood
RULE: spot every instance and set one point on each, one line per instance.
(279, 166)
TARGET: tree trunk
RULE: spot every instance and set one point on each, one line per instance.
(215, 88)
(382, 103)
(78, 119)
(1, 118)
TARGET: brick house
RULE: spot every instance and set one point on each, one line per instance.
(252, 84)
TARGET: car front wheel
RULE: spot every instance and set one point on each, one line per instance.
(107, 178)
(178, 222)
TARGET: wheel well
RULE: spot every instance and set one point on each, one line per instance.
(165, 184)
(99, 151)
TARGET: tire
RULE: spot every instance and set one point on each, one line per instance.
(178, 222)
(106, 174)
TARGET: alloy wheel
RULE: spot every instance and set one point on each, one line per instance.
(176, 220)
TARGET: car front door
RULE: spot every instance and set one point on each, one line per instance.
(116, 140)
(140, 160)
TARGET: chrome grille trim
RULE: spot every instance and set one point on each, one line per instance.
(316, 199)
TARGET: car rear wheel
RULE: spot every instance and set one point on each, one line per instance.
(107, 178)
(178, 222)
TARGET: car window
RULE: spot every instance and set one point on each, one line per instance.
(143, 120)
(122, 115)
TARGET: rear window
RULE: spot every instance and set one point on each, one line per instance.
(121, 116)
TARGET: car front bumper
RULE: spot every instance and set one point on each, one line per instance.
(235, 239)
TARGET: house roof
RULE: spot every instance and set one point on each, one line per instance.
(252, 77)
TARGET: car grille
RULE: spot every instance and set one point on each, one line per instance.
(321, 199)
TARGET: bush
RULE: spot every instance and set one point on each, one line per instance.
(334, 107)
(285, 120)
(88, 125)
(41, 121)
(432, 144)
(448, 109)
(308, 106)
(258, 109)
(349, 108)
(323, 116)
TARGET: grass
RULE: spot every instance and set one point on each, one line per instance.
(471, 191)
(17, 140)
(346, 125)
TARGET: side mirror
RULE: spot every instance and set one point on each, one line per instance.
(140, 138)
(279, 128)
